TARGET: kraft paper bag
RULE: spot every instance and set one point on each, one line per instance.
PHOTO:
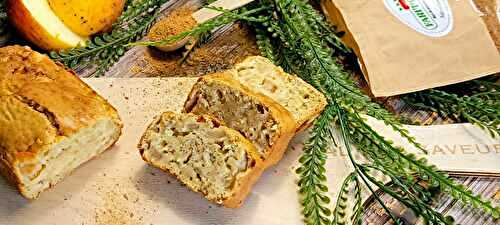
(410, 45)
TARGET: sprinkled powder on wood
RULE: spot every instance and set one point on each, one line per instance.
(177, 22)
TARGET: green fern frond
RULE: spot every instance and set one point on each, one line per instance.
(358, 210)
(409, 195)
(319, 55)
(312, 184)
(480, 108)
(272, 50)
(324, 29)
(226, 18)
(361, 174)
(265, 45)
(135, 9)
(339, 212)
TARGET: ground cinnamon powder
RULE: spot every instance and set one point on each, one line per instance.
(175, 23)
(226, 48)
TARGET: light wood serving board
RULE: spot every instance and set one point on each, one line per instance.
(118, 188)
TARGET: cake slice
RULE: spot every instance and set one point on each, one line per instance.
(50, 121)
(297, 96)
(268, 125)
(206, 156)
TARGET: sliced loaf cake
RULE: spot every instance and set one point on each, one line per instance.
(297, 96)
(207, 157)
(268, 125)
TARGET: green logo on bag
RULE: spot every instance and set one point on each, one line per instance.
(421, 14)
(430, 17)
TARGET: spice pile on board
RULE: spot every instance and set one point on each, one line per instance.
(226, 48)
(177, 22)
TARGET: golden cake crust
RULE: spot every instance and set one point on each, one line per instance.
(40, 103)
(243, 182)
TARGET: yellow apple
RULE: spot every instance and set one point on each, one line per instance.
(39, 24)
(87, 17)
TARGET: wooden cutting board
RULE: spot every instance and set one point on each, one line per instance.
(118, 188)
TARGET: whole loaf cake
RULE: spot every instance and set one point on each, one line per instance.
(50, 121)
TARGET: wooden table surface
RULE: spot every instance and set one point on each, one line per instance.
(488, 187)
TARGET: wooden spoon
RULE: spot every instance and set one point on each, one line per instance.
(204, 15)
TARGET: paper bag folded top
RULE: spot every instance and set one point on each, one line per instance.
(411, 45)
